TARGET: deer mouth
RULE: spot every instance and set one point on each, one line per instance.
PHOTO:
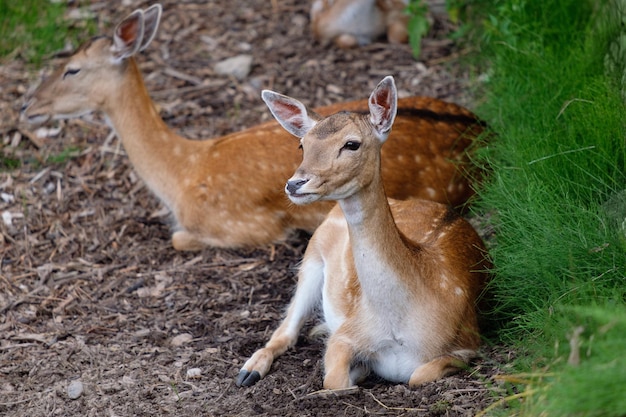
(34, 119)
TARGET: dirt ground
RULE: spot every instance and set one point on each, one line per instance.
(91, 290)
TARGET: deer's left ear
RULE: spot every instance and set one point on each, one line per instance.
(128, 36)
(383, 104)
(151, 18)
(290, 113)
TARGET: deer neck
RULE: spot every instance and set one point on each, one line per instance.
(380, 255)
(157, 154)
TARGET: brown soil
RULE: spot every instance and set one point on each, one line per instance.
(90, 287)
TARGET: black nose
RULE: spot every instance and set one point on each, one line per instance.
(294, 185)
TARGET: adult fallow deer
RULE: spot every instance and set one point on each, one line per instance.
(227, 192)
(397, 281)
(350, 23)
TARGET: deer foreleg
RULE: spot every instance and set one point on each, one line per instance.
(307, 297)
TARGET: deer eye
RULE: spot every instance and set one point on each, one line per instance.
(351, 145)
(71, 71)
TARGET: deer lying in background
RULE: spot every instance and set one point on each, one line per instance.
(228, 192)
(397, 281)
(351, 23)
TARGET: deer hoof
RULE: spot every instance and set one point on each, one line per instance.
(247, 378)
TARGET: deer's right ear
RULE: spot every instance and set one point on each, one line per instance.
(128, 36)
(383, 104)
(290, 113)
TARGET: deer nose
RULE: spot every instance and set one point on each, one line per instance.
(294, 185)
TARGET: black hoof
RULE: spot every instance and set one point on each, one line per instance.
(247, 379)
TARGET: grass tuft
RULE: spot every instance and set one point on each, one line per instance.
(592, 367)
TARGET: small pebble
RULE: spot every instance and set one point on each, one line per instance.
(194, 372)
(75, 389)
(181, 339)
(7, 218)
(238, 66)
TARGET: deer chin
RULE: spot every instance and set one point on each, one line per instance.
(74, 115)
(303, 198)
(41, 118)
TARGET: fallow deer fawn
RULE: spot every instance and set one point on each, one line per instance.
(228, 192)
(397, 281)
(351, 23)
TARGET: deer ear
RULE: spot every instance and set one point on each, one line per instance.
(151, 18)
(128, 35)
(290, 113)
(383, 104)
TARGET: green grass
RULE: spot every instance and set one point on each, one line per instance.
(558, 193)
(32, 29)
(64, 156)
(8, 163)
(13, 158)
